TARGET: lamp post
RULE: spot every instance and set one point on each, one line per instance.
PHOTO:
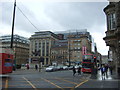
(11, 46)
(69, 50)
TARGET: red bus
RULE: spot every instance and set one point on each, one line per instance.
(6, 60)
(87, 63)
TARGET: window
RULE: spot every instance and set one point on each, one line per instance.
(75, 44)
(111, 21)
(75, 47)
(78, 47)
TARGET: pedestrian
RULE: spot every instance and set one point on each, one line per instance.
(106, 69)
(27, 66)
(111, 70)
(14, 67)
(103, 72)
(36, 67)
(74, 71)
(79, 70)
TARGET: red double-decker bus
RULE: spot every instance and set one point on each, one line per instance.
(87, 63)
(6, 60)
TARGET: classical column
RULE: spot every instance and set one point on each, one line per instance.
(41, 47)
(45, 53)
(49, 52)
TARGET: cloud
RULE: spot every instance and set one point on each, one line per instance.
(101, 46)
(76, 15)
(21, 22)
(56, 16)
(98, 33)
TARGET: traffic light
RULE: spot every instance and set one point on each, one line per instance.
(94, 59)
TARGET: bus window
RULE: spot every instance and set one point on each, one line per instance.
(87, 60)
(8, 63)
(86, 65)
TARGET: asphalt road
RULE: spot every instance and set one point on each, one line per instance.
(24, 79)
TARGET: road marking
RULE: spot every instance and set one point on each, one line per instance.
(18, 81)
(20, 85)
(67, 87)
(6, 83)
(81, 83)
(51, 83)
(67, 81)
(30, 83)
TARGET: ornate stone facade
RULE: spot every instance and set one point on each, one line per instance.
(112, 38)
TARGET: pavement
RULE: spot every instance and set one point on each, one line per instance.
(108, 76)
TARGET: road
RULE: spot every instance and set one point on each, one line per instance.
(24, 79)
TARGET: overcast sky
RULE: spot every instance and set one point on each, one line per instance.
(56, 16)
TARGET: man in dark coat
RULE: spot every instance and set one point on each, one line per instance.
(36, 67)
(74, 71)
(79, 70)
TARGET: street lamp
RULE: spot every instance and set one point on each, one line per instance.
(11, 46)
(69, 50)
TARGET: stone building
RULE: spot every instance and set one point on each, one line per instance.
(40, 47)
(20, 47)
(59, 52)
(104, 59)
(112, 37)
(62, 48)
(79, 44)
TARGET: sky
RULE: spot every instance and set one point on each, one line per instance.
(55, 16)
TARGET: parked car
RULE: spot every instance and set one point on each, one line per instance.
(80, 66)
(65, 68)
(57, 67)
(76, 67)
(50, 68)
(71, 67)
(61, 67)
(23, 66)
(18, 66)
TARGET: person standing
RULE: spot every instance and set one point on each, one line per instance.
(106, 70)
(14, 67)
(111, 70)
(79, 70)
(36, 67)
(74, 71)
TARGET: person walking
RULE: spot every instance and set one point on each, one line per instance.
(27, 66)
(103, 72)
(79, 70)
(106, 70)
(111, 70)
(36, 67)
(74, 71)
